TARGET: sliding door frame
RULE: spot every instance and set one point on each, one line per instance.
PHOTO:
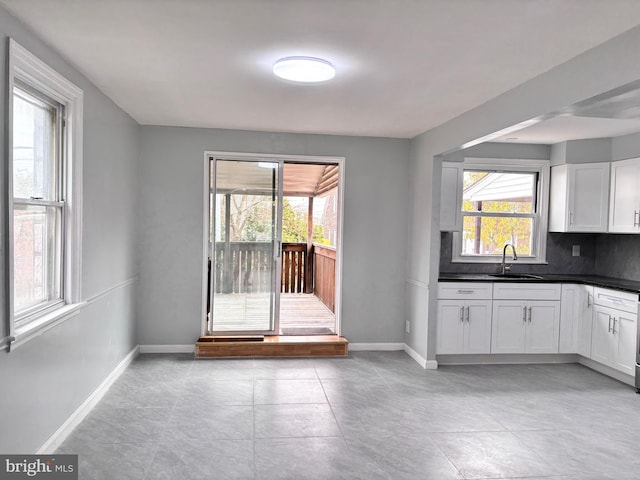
(221, 155)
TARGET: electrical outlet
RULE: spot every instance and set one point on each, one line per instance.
(575, 251)
(407, 326)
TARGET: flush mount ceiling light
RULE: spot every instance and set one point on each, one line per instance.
(304, 69)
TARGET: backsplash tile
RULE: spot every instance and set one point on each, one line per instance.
(618, 256)
(609, 255)
(559, 257)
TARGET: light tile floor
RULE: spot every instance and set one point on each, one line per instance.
(374, 415)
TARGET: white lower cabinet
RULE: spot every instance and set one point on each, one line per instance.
(464, 326)
(576, 318)
(542, 318)
(614, 338)
(530, 326)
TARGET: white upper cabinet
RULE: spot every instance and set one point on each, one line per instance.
(624, 203)
(579, 197)
(451, 197)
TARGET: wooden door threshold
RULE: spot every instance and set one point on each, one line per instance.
(273, 346)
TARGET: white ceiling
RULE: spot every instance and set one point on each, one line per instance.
(403, 66)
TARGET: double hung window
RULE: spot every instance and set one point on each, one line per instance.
(45, 196)
(503, 202)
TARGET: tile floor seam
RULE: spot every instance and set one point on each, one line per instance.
(448, 458)
(333, 413)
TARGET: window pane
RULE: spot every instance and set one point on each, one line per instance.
(34, 146)
(499, 192)
(488, 235)
(36, 256)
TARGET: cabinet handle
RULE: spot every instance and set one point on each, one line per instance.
(462, 314)
(609, 329)
(614, 325)
(530, 308)
(468, 314)
(466, 292)
(635, 216)
(588, 300)
(570, 217)
(524, 314)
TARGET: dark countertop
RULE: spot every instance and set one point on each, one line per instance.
(595, 280)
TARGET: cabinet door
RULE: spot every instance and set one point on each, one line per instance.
(478, 327)
(576, 319)
(602, 339)
(623, 205)
(450, 325)
(543, 327)
(585, 320)
(569, 318)
(451, 197)
(508, 327)
(624, 355)
(588, 197)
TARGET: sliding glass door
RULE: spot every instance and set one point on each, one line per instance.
(245, 245)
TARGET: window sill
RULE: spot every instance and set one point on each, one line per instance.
(40, 325)
(498, 261)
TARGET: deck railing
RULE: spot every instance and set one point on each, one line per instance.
(246, 267)
(324, 275)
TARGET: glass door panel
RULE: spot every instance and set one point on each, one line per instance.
(245, 246)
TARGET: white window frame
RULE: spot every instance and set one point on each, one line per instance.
(33, 72)
(541, 219)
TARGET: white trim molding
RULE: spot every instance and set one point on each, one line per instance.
(167, 348)
(423, 362)
(605, 370)
(60, 435)
(104, 293)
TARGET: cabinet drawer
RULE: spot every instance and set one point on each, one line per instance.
(624, 301)
(457, 290)
(526, 291)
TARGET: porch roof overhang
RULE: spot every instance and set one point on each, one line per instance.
(299, 179)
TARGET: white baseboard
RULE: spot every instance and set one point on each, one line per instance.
(605, 370)
(380, 347)
(167, 348)
(60, 435)
(423, 362)
(431, 365)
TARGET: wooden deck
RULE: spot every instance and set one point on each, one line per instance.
(247, 311)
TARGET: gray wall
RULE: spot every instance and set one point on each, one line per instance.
(598, 70)
(171, 202)
(46, 379)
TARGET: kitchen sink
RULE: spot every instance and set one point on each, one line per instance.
(517, 276)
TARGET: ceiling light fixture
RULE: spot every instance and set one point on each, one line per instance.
(304, 69)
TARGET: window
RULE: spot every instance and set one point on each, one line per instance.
(45, 122)
(503, 201)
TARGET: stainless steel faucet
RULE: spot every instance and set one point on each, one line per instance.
(504, 267)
